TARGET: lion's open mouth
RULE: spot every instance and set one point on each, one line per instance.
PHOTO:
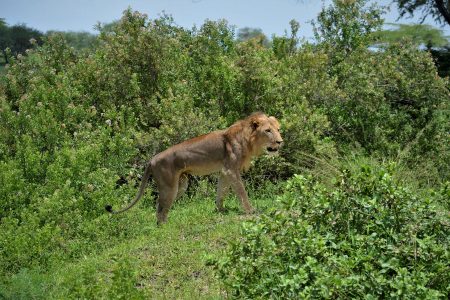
(270, 149)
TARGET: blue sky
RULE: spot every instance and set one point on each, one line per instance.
(272, 16)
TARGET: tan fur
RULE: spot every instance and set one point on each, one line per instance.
(228, 151)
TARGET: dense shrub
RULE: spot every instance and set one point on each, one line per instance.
(387, 98)
(390, 101)
(366, 237)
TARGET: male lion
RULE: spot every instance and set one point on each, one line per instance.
(227, 151)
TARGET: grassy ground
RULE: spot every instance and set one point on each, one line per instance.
(160, 263)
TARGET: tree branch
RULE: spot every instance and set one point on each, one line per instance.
(443, 10)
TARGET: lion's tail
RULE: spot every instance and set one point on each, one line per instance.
(147, 173)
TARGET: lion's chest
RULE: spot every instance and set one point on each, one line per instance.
(246, 164)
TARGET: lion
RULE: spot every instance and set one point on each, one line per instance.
(228, 152)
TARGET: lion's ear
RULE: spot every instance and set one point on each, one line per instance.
(255, 124)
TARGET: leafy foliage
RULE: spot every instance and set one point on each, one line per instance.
(247, 33)
(347, 25)
(17, 39)
(78, 39)
(366, 237)
(382, 99)
(419, 34)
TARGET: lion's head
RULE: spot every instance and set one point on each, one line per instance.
(266, 133)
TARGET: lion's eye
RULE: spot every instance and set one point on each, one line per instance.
(268, 130)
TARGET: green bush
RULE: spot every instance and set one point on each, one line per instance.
(390, 101)
(365, 238)
(387, 98)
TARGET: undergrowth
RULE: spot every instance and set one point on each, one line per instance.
(366, 237)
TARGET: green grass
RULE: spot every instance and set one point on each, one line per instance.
(166, 262)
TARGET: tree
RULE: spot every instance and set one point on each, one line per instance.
(284, 46)
(17, 38)
(347, 25)
(424, 36)
(248, 33)
(77, 39)
(20, 38)
(107, 27)
(442, 59)
(438, 9)
(419, 34)
(5, 39)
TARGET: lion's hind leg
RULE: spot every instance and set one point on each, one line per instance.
(166, 197)
(168, 189)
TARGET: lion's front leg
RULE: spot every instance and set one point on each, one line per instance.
(236, 183)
